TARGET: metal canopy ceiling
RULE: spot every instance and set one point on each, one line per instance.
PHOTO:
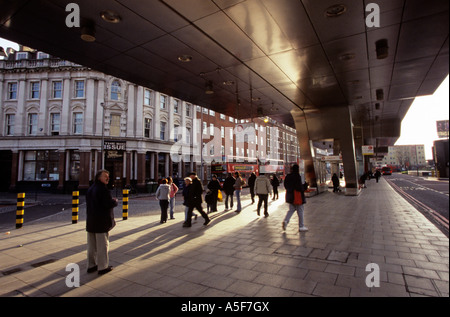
(286, 54)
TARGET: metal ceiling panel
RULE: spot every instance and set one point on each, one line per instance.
(288, 53)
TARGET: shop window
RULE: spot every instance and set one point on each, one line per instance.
(41, 166)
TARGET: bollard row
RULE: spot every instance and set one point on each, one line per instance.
(75, 207)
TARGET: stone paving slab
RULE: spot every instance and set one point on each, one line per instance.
(239, 254)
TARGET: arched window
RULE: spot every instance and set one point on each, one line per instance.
(115, 90)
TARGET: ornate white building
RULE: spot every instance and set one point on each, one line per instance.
(55, 116)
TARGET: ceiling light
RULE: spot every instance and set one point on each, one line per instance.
(335, 10)
(209, 88)
(110, 16)
(382, 48)
(347, 57)
(228, 83)
(380, 94)
(88, 33)
(185, 58)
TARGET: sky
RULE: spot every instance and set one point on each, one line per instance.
(419, 123)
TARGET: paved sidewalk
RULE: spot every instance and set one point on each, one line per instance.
(239, 254)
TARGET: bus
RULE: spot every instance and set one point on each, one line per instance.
(221, 170)
(386, 170)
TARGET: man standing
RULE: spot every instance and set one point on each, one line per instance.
(262, 189)
(251, 185)
(228, 187)
(294, 190)
(99, 221)
(195, 200)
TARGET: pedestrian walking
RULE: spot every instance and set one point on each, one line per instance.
(186, 188)
(295, 197)
(173, 192)
(377, 175)
(214, 187)
(195, 200)
(228, 188)
(262, 189)
(163, 195)
(99, 221)
(275, 183)
(251, 185)
(240, 182)
(336, 184)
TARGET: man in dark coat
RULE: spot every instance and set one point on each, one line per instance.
(195, 200)
(99, 221)
(228, 188)
(251, 185)
(292, 183)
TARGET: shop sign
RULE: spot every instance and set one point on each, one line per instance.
(114, 145)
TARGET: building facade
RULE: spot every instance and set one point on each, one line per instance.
(56, 115)
(406, 156)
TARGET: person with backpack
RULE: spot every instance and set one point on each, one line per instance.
(295, 197)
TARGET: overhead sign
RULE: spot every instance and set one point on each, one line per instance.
(442, 128)
(331, 158)
(367, 150)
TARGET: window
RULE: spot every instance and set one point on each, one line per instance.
(10, 124)
(188, 110)
(42, 55)
(41, 165)
(222, 116)
(147, 127)
(114, 127)
(55, 119)
(176, 136)
(57, 90)
(12, 91)
(211, 129)
(21, 55)
(175, 106)
(147, 97)
(205, 128)
(32, 123)
(115, 90)
(188, 135)
(222, 132)
(34, 89)
(77, 123)
(74, 173)
(79, 88)
(162, 102)
(162, 131)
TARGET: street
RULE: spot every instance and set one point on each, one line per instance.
(429, 195)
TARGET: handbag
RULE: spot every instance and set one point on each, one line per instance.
(298, 198)
(219, 196)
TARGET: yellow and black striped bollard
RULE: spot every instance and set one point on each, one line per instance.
(75, 203)
(125, 204)
(20, 207)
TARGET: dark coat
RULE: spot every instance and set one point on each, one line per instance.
(214, 187)
(293, 182)
(99, 209)
(195, 193)
(228, 185)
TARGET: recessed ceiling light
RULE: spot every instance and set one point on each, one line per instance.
(185, 58)
(110, 16)
(335, 10)
(88, 33)
(347, 57)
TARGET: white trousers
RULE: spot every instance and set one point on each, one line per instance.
(97, 250)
